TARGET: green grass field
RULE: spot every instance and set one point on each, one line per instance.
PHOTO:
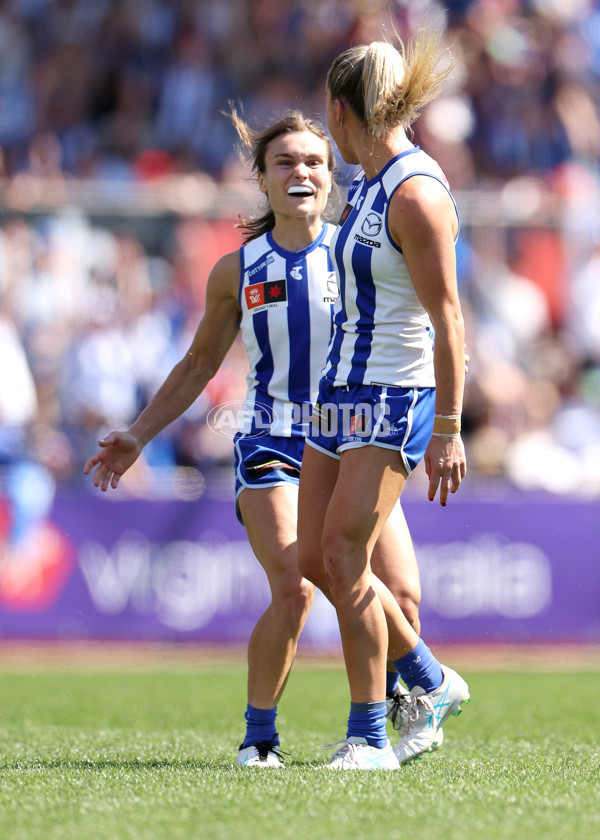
(150, 755)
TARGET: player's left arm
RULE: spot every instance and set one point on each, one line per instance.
(423, 223)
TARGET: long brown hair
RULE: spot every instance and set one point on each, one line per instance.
(254, 145)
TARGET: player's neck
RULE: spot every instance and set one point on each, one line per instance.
(375, 154)
(296, 234)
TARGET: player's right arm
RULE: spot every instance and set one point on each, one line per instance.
(186, 381)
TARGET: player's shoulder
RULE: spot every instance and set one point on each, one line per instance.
(421, 194)
(228, 264)
(225, 274)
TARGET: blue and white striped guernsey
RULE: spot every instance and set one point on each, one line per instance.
(382, 333)
(286, 298)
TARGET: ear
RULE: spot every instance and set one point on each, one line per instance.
(262, 186)
(339, 110)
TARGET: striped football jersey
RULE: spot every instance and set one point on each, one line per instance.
(287, 300)
(382, 333)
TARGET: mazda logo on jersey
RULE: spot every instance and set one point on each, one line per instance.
(265, 295)
(372, 224)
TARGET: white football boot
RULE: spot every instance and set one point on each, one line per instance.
(356, 754)
(398, 705)
(265, 754)
(426, 714)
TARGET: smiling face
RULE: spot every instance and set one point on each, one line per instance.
(296, 177)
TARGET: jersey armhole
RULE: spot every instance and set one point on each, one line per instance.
(411, 175)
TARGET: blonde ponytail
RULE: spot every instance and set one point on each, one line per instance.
(383, 74)
(386, 86)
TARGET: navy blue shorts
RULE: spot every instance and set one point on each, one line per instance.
(266, 461)
(348, 417)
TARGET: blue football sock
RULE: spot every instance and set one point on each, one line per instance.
(367, 720)
(391, 682)
(260, 726)
(420, 667)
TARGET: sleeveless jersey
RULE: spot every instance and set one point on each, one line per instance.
(382, 333)
(286, 298)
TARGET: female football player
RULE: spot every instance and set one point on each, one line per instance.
(394, 251)
(278, 289)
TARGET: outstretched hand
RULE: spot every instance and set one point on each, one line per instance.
(445, 465)
(119, 450)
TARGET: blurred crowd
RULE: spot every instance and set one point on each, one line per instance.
(93, 316)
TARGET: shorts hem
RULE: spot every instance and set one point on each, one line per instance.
(360, 445)
(241, 487)
(322, 449)
(279, 483)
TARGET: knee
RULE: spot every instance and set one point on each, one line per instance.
(338, 566)
(293, 597)
(310, 565)
(407, 594)
(409, 604)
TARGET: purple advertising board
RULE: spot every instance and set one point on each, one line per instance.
(510, 569)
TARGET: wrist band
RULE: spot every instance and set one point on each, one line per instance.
(446, 425)
(442, 434)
